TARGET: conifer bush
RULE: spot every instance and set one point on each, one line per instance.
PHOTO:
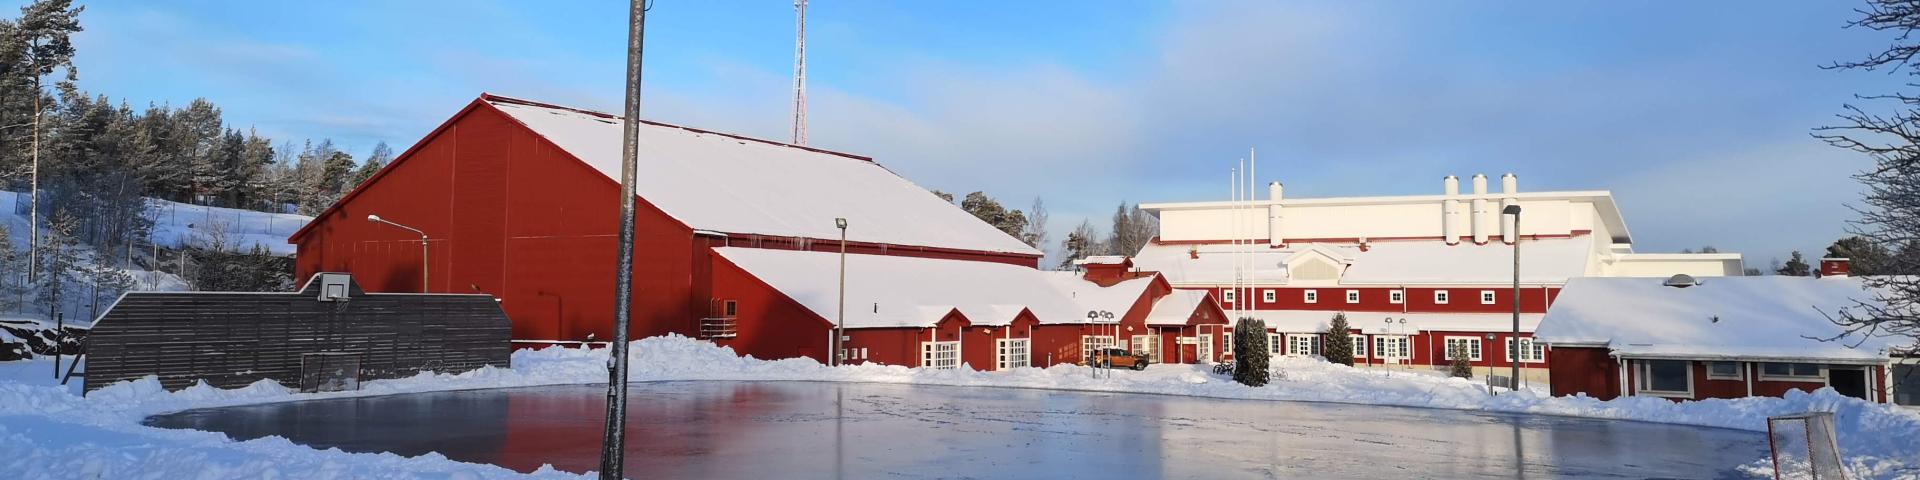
(1250, 352)
(1339, 344)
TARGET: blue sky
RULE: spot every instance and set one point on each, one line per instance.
(1695, 114)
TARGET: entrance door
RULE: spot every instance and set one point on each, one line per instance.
(1851, 382)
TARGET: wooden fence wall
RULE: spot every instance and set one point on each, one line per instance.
(235, 339)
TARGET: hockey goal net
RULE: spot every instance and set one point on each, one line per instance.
(1804, 447)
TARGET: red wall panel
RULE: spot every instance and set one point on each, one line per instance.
(1591, 371)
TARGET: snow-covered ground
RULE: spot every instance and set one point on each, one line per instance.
(47, 431)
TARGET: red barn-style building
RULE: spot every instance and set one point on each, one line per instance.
(1692, 339)
(518, 199)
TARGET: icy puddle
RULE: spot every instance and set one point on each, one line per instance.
(827, 430)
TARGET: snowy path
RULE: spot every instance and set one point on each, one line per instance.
(1878, 439)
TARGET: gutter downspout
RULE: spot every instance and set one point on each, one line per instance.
(1746, 375)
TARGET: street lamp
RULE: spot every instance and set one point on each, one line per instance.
(1513, 354)
(423, 247)
(840, 321)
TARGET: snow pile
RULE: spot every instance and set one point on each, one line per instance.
(48, 431)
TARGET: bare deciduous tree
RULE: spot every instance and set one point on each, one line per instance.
(1890, 214)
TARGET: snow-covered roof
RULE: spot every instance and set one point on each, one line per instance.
(1547, 260)
(895, 291)
(1102, 260)
(733, 184)
(1216, 262)
(1375, 323)
(1753, 318)
(1176, 308)
(1091, 297)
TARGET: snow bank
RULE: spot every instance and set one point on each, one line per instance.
(44, 425)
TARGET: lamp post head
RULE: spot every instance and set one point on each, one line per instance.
(841, 223)
(1511, 210)
(373, 218)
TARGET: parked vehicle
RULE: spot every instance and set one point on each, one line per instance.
(1119, 357)
(1223, 368)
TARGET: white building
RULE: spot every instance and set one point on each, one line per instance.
(1414, 274)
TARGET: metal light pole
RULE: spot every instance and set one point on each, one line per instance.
(613, 445)
(1513, 354)
(423, 248)
(840, 319)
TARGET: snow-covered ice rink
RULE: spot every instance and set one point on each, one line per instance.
(868, 430)
(1304, 425)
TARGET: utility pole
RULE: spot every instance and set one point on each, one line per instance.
(1513, 355)
(800, 73)
(840, 321)
(614, 444)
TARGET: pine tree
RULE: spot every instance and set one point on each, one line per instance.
(1795, 267)
(375, 161)
(1013, 222)
(1863, 256)
(1250, 351)
(59, 258)
(1459, 364)
(1339, 344)
(13, 273)
(1081, 243)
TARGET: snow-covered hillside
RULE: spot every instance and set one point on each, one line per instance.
(176, 224)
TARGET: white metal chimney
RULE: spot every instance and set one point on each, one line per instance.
(1481, 227)
(1275, 237)
(1450, 211)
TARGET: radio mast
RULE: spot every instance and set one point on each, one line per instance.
(800, 73)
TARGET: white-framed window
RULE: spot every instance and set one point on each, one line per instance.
(1792, 371)
(1203, 346)
(1723, 371)
(1359, 346)
(1274, 345)
(1143, 345)
(1011, 353)
(1226, 296)
(1486, 297)
(1530, 352)
(1470, 344)
(1664, 378)
(1312, 296)
(853, 353)
(1090, 344)
(1226, 343)
(940, 355)
(1440, 297)
(1303, 345)
(1397, 297)
(1269, 295)
(1353, 296)
(1390, 347)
